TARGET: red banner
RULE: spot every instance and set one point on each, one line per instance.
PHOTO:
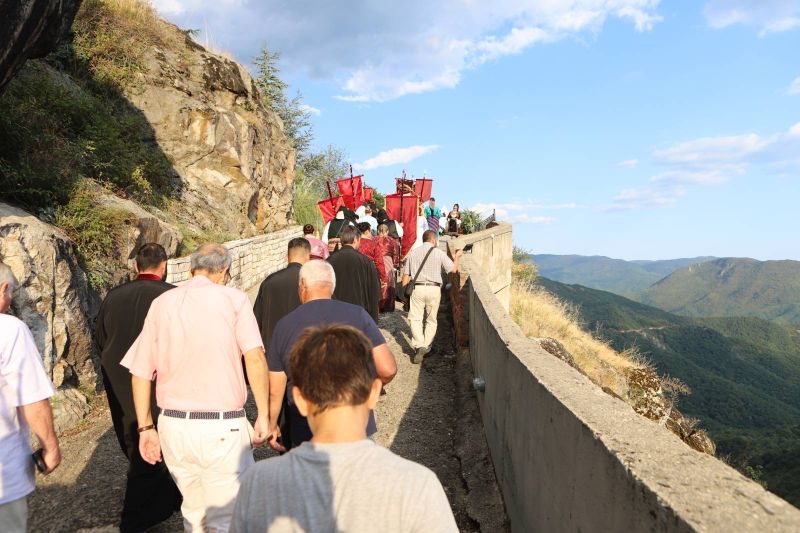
(329, 207)
(408, 217)
(423, 188)
(352, 187)
(368, 194)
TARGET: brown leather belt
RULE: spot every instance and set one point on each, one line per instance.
(428, 284)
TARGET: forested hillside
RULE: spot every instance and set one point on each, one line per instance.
(731, 287)
(605, 273)
(743, 373)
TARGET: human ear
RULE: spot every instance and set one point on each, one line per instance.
(300, 402)
(374, 393)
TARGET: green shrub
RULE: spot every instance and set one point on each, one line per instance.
(470, 220)
(96, 231)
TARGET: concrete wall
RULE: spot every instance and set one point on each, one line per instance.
(253, 259)
(569, 457)
(492, 252)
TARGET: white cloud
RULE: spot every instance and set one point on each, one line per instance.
(712, 161)
(310, 109)
(794, 87)
(628, 163)
(770, 16)
(377, 50)
(521, 212)
(526, 218)
(396, 156)
(646, 197)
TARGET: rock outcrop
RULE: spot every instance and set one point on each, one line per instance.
(53, 300)
(31, 28)
(235, 166)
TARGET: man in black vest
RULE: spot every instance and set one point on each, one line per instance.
(357, 280)
(151, 495)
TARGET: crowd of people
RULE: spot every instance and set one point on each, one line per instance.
(177, 363)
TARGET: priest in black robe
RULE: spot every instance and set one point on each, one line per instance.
(151, 495)
(357, 280)
(278, 295)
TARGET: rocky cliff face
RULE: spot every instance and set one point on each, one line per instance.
(31, 28)
(234, 164)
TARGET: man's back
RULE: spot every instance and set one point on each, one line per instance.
(193, 337)
(276, 298)
(357, 280)
(325, 487)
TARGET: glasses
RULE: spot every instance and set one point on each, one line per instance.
(227, 277)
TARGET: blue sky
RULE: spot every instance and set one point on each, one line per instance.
(635, 129)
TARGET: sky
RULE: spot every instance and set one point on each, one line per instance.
(636, 129)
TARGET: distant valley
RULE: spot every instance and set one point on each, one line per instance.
(699, 286)
(743, 372)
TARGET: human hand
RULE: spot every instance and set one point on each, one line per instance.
(261, 431)
(52, 458)
(275, 434)
(150, 446)
(459, 253)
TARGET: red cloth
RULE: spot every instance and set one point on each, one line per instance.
(329, 206)
(423, 188)
(352, 187)
(149, 277)
(373, 250)
(368, 194)
(408, 217)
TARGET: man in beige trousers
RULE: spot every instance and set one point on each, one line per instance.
(427, 290)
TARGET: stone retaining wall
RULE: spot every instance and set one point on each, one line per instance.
(569, 457)
(253, 259)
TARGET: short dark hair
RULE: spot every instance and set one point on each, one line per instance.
(333, 366)
(431, 199)
(150, 256)
(364, 227)
(429, 236)
(348, 234)
(299, 243)
(308, 229)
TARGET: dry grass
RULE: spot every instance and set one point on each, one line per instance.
(540, 314)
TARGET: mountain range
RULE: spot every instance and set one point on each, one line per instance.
(699, 286)
(743, 373)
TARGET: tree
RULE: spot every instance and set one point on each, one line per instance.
(330, 164)
(293, 113)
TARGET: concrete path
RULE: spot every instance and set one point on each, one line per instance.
(429, 415)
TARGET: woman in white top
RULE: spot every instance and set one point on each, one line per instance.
(422, 227)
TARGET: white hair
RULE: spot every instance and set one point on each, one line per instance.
(316, 272)
(7, 276)
(212, 258)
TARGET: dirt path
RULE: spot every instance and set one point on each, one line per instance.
(428, 415)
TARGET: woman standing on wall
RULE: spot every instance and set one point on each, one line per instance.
(454, 220)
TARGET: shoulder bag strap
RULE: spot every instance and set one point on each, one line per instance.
(414, 281)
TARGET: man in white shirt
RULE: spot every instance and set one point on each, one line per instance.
(25, 390)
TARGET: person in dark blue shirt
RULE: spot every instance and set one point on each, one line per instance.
(317, 283)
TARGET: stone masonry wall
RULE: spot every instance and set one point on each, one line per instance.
(253, 259)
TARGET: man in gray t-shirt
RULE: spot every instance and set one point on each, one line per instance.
(340, 480)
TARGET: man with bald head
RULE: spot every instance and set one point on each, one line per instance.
(193, 340)
(317, 284)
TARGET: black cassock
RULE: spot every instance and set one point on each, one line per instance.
(357, 280)
(151, 495)
(277, 297)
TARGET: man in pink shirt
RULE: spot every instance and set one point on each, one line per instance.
(192, 341)
(319, 250)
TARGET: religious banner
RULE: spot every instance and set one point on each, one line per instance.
(423, 188)
(404, 209)
(352, 187)
(329, 206)
(368, 194)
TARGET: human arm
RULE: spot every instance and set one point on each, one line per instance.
(456, 261)
(149, 443)
(256, 364)
(277, 391)
(385, 363)
(39, 417)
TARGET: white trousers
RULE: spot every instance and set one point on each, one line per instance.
(14, 516)
(206, 458)
(422, 314)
